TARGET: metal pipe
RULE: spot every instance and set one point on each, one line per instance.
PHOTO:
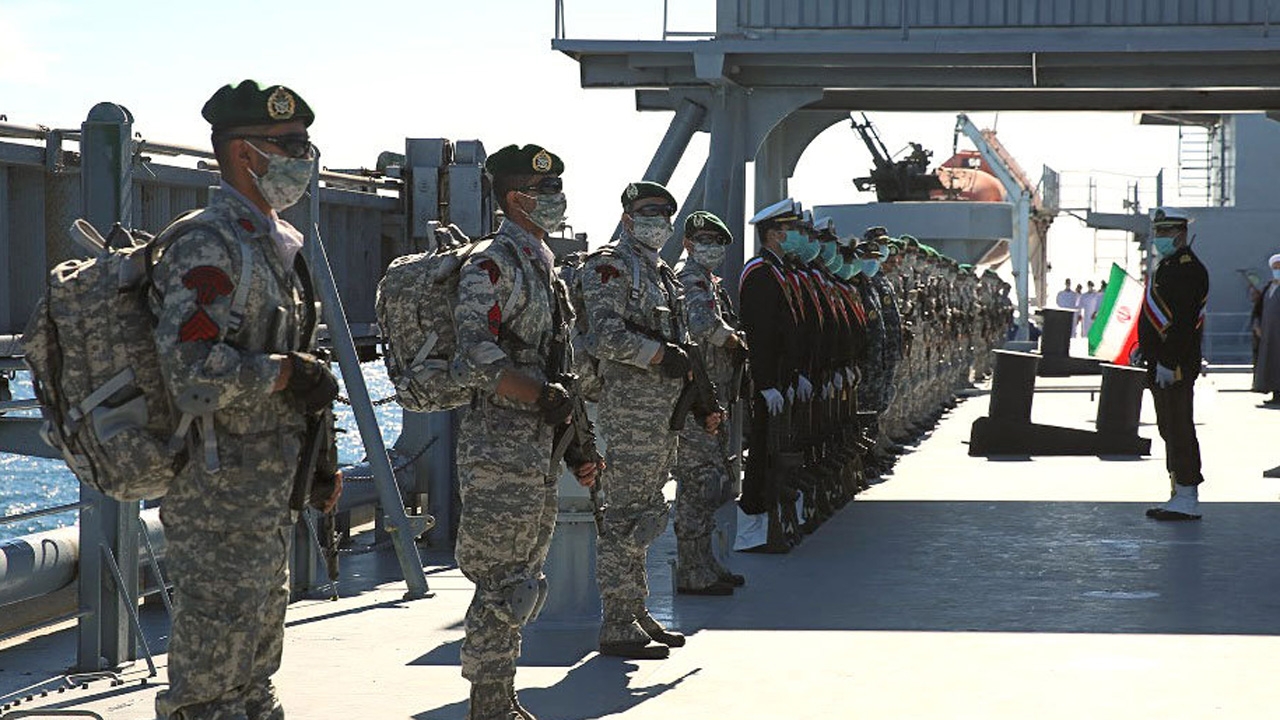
(403, 528)
(693, 201)
(686, 122)
(53, 510)
(32, 566)
(33, 132)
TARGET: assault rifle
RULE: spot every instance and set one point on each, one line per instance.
(319, 463)
(575, 443)
(699, 393)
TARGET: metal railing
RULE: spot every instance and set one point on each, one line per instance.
(906, 15)
(667, 32)
(1228, 338)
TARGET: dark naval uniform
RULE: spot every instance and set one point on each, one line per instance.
(770, 319)
(1169, 334)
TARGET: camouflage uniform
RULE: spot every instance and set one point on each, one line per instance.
(227, 518)
(701, 464)
(635, 413)
(504, 317)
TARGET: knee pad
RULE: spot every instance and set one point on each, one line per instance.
(522, 599)
(543, 590)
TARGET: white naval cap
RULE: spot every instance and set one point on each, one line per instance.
(826, 222)
(1170, 216)
(781, 211)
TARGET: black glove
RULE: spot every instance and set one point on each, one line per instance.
(311, 383)
(675, 362)
(554, 403)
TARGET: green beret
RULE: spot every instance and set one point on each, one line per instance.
(249, 103)
(528, 160)
(874, 232)
(703, 220)
(643, 189)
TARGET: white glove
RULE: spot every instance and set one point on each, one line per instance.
(850, 377)
(804, 389)
(838, 380)
(1164, 376)
(772, 400)
(828, 390)
(791, 394)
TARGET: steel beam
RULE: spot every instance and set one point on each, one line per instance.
(402, 527)
(687, 121)
(105, 640)
(693, 201)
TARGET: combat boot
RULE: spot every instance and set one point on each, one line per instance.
(655, 629)
(490, 701)
(520, 710)
(1183, 504)
(695, 572)
(622, 636)
(726, 575)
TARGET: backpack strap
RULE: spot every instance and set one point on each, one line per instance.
(239, 301)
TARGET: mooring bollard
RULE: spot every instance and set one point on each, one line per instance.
(1055, 340)
(1120, 401)
(1013, 385)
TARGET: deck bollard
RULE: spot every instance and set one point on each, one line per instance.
(1120, 400)
(1013, 385)
(1055, 340)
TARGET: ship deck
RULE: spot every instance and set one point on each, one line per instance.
(959, 587)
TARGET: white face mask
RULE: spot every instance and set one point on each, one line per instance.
(285, 180)
(1275, 273)
(652, 232)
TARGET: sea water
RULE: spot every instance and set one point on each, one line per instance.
(29, 483)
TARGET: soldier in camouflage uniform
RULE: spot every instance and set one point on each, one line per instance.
(702, 460)
(874, 363)
(893, 335)
(250, 381)
(511, 308)
(632, 302)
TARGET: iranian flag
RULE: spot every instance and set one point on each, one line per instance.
(1115, 331)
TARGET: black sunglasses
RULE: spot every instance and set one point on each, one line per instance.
(294, 146)
(550, 185)
(656, 210)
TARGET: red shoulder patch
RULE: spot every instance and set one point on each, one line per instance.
(198, 327)
(209, 282)
(607, 272)
(701, 284)
(491, 267)
(495, 320)
(246, 224)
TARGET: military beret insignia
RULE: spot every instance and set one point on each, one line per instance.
(632, 191)
(281, 105)
(541, 162)
(607, 272)
(251, 103)
(699, 221)
(517, 160)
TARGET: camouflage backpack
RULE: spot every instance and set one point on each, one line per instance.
(91, 350)
(414, 304)
(585, 365)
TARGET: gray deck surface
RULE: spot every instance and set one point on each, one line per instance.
(957, 588)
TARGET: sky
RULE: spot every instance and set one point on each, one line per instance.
(380, 71)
